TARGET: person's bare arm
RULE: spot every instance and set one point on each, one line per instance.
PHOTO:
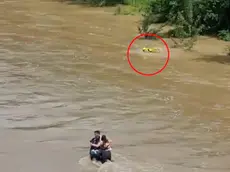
(107, 144)
(110, 141)
(96, 145)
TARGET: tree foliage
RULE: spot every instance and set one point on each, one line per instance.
(190, 17)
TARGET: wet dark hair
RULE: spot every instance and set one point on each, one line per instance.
(97, 132)
(104, 138)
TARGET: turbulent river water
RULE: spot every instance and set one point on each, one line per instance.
(63, 74)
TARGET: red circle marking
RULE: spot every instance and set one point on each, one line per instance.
(128, 54)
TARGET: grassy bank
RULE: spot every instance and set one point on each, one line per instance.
(184, 19)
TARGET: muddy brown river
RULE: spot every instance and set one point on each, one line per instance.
(63, 74)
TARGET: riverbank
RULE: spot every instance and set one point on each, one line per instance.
(205, 48)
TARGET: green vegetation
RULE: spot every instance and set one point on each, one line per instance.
(189, 17)
(186, 18)
(126, 10)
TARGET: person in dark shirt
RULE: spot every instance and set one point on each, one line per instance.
(104, 149)
(94, 151)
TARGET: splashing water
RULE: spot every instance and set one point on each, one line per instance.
(121, 164)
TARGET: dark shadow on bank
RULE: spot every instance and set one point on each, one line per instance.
(222, 59)
(73, 2)
(95, 3)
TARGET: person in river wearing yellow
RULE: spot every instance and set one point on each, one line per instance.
(151, 50)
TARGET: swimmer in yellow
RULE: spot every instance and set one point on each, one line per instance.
(151, 50)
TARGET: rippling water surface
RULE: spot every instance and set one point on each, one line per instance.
(63, 74)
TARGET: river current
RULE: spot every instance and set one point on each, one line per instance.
(64, 74)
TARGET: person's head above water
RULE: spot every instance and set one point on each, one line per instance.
(97, 133)
(104, 138)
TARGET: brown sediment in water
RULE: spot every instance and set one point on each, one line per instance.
(64, 73)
